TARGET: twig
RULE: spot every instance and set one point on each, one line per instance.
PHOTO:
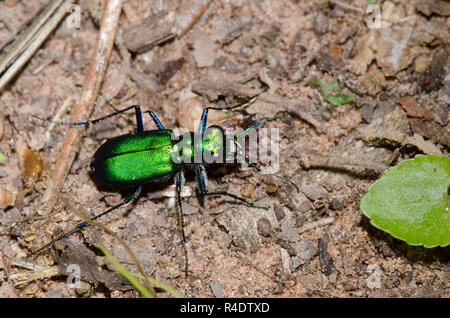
(32, 39)
(315, 224)
(94, 78)
(126, 64)
(295, 106)
(347, 6)
(195, 19)
(25, 38)
(27, 21)
(356, 166)
(26, 265)
(37, 273)
(273, 277)
(42, 66)
(63, 108)
(87, 219)
(5, 267)
(397, 137)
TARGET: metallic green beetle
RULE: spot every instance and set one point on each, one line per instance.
(135, 159)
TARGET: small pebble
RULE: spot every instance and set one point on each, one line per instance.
(336, 205)
(216, 288)
(367, 112)
(289, 232)
(264, 227)
(84, 289)
(420, 67)
(204, 51)
(300, 220)
(326, 262)
(320, 24)
(279, 212)
(306, 250)
(237, 3)
(247, 191)
(313, 191)
(7, 198)
(305, 206)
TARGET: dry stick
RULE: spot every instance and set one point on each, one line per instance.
(126, 63)
(394, 136)
(43, 66)
(94, 77)
(273, 277)
(5, 269)
(357, 166)
(315, 224)
(27, 21)
(42, 273)
(87, 219)
(295, 106)
(340, 3)
(26, 37)
(195, 19)
(32, 39)
(63, 108)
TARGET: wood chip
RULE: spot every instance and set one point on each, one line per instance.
(151, 31)
(402, 139)
(7, 198)
(412, 108)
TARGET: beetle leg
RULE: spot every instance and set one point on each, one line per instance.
(272, 174)
(201, 177)
(203, 119)
(179, 179)
(155, 119)
(202, 180)
(250, 203)
(130, 197)
(240, 156)
(140, 126)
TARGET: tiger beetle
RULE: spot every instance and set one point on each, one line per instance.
(147, 156)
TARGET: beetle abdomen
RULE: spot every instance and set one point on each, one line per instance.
(134, 159)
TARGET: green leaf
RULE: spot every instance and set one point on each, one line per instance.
(314, 82)
(411, 201)
(175, 293)
(369, 2)
(131, 277)
(334, 94)
(127, 274)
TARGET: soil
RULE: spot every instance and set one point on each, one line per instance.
(181, 56)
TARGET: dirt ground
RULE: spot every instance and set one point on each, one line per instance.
(175, 57)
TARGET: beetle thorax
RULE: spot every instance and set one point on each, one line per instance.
(194, 148)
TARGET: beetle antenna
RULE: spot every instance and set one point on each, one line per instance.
(248, 102)
(272, 174)
(242, 157)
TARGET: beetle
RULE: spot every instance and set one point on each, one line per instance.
(146, 156)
